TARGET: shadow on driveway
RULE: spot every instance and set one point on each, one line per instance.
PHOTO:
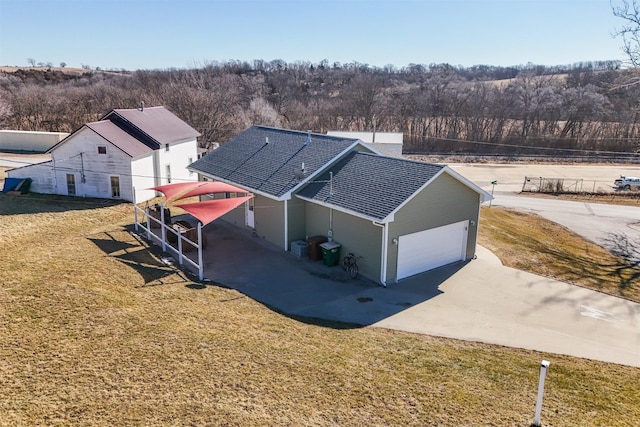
(306, 289)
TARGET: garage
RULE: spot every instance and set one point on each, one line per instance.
(428, 249)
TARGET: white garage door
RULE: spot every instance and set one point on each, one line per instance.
(428, 249)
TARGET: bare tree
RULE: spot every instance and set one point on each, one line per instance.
(31, 62)
(629, 11)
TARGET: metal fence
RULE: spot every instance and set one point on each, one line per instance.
(542, 184)
(182, 241)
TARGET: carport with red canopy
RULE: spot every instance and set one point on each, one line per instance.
(205, 211)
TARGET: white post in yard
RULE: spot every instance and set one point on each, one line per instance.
(543, 373)
(200, 266)
(163, 233)
(135, 210)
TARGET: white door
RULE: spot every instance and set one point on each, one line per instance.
(250, 213)
(429, 249)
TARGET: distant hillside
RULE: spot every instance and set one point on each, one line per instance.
(52, 74)
(584, 109)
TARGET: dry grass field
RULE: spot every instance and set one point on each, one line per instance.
(95, 330)
(529, 242)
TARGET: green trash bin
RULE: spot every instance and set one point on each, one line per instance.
(330, 253)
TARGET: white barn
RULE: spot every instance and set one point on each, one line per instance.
(125, 150)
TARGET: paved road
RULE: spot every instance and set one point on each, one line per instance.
(605, 225)
(510, 177)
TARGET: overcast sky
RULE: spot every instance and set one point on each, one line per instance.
(159, 34)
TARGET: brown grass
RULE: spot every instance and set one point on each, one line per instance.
(96, 331)
(529, 242)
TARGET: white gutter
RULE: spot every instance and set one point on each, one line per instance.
(385, 238)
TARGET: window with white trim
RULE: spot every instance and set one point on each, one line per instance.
(115, 186)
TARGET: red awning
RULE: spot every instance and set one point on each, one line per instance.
(172, 190)
(211, 188)
(183, 190)
(212, 209)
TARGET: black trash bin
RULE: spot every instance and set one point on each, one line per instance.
(314, 250)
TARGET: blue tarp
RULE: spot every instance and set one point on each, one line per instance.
(11, 184)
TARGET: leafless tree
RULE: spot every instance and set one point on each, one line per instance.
(629, 12)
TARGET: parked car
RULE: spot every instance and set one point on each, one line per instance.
(627, 183)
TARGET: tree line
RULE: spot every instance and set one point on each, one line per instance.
(587, 108)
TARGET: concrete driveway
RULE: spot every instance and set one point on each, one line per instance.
(480, 300)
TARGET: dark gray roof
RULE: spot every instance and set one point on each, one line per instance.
(373, 186)
(156, 122)
(119, 138)
(272, 167)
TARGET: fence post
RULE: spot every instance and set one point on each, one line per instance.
(179, 244)
(163, 232)
(135, 211)
(200, 265)
(146, 211)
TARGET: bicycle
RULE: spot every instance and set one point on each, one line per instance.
(350, 264)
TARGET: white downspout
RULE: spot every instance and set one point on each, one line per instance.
(475, 239)
(286, 225)
(385, 238)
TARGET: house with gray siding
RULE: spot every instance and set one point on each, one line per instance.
(401, 217)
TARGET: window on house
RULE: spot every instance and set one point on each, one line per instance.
(71, 184)
(115, 186)
(102, 149)
(168, 174)
(166, 147)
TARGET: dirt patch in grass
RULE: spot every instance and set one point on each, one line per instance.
(95, 330)
(531, 243)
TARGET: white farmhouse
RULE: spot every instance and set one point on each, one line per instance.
(125, 150)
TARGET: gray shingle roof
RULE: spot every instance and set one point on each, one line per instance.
(249, 161)
(371, 185)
